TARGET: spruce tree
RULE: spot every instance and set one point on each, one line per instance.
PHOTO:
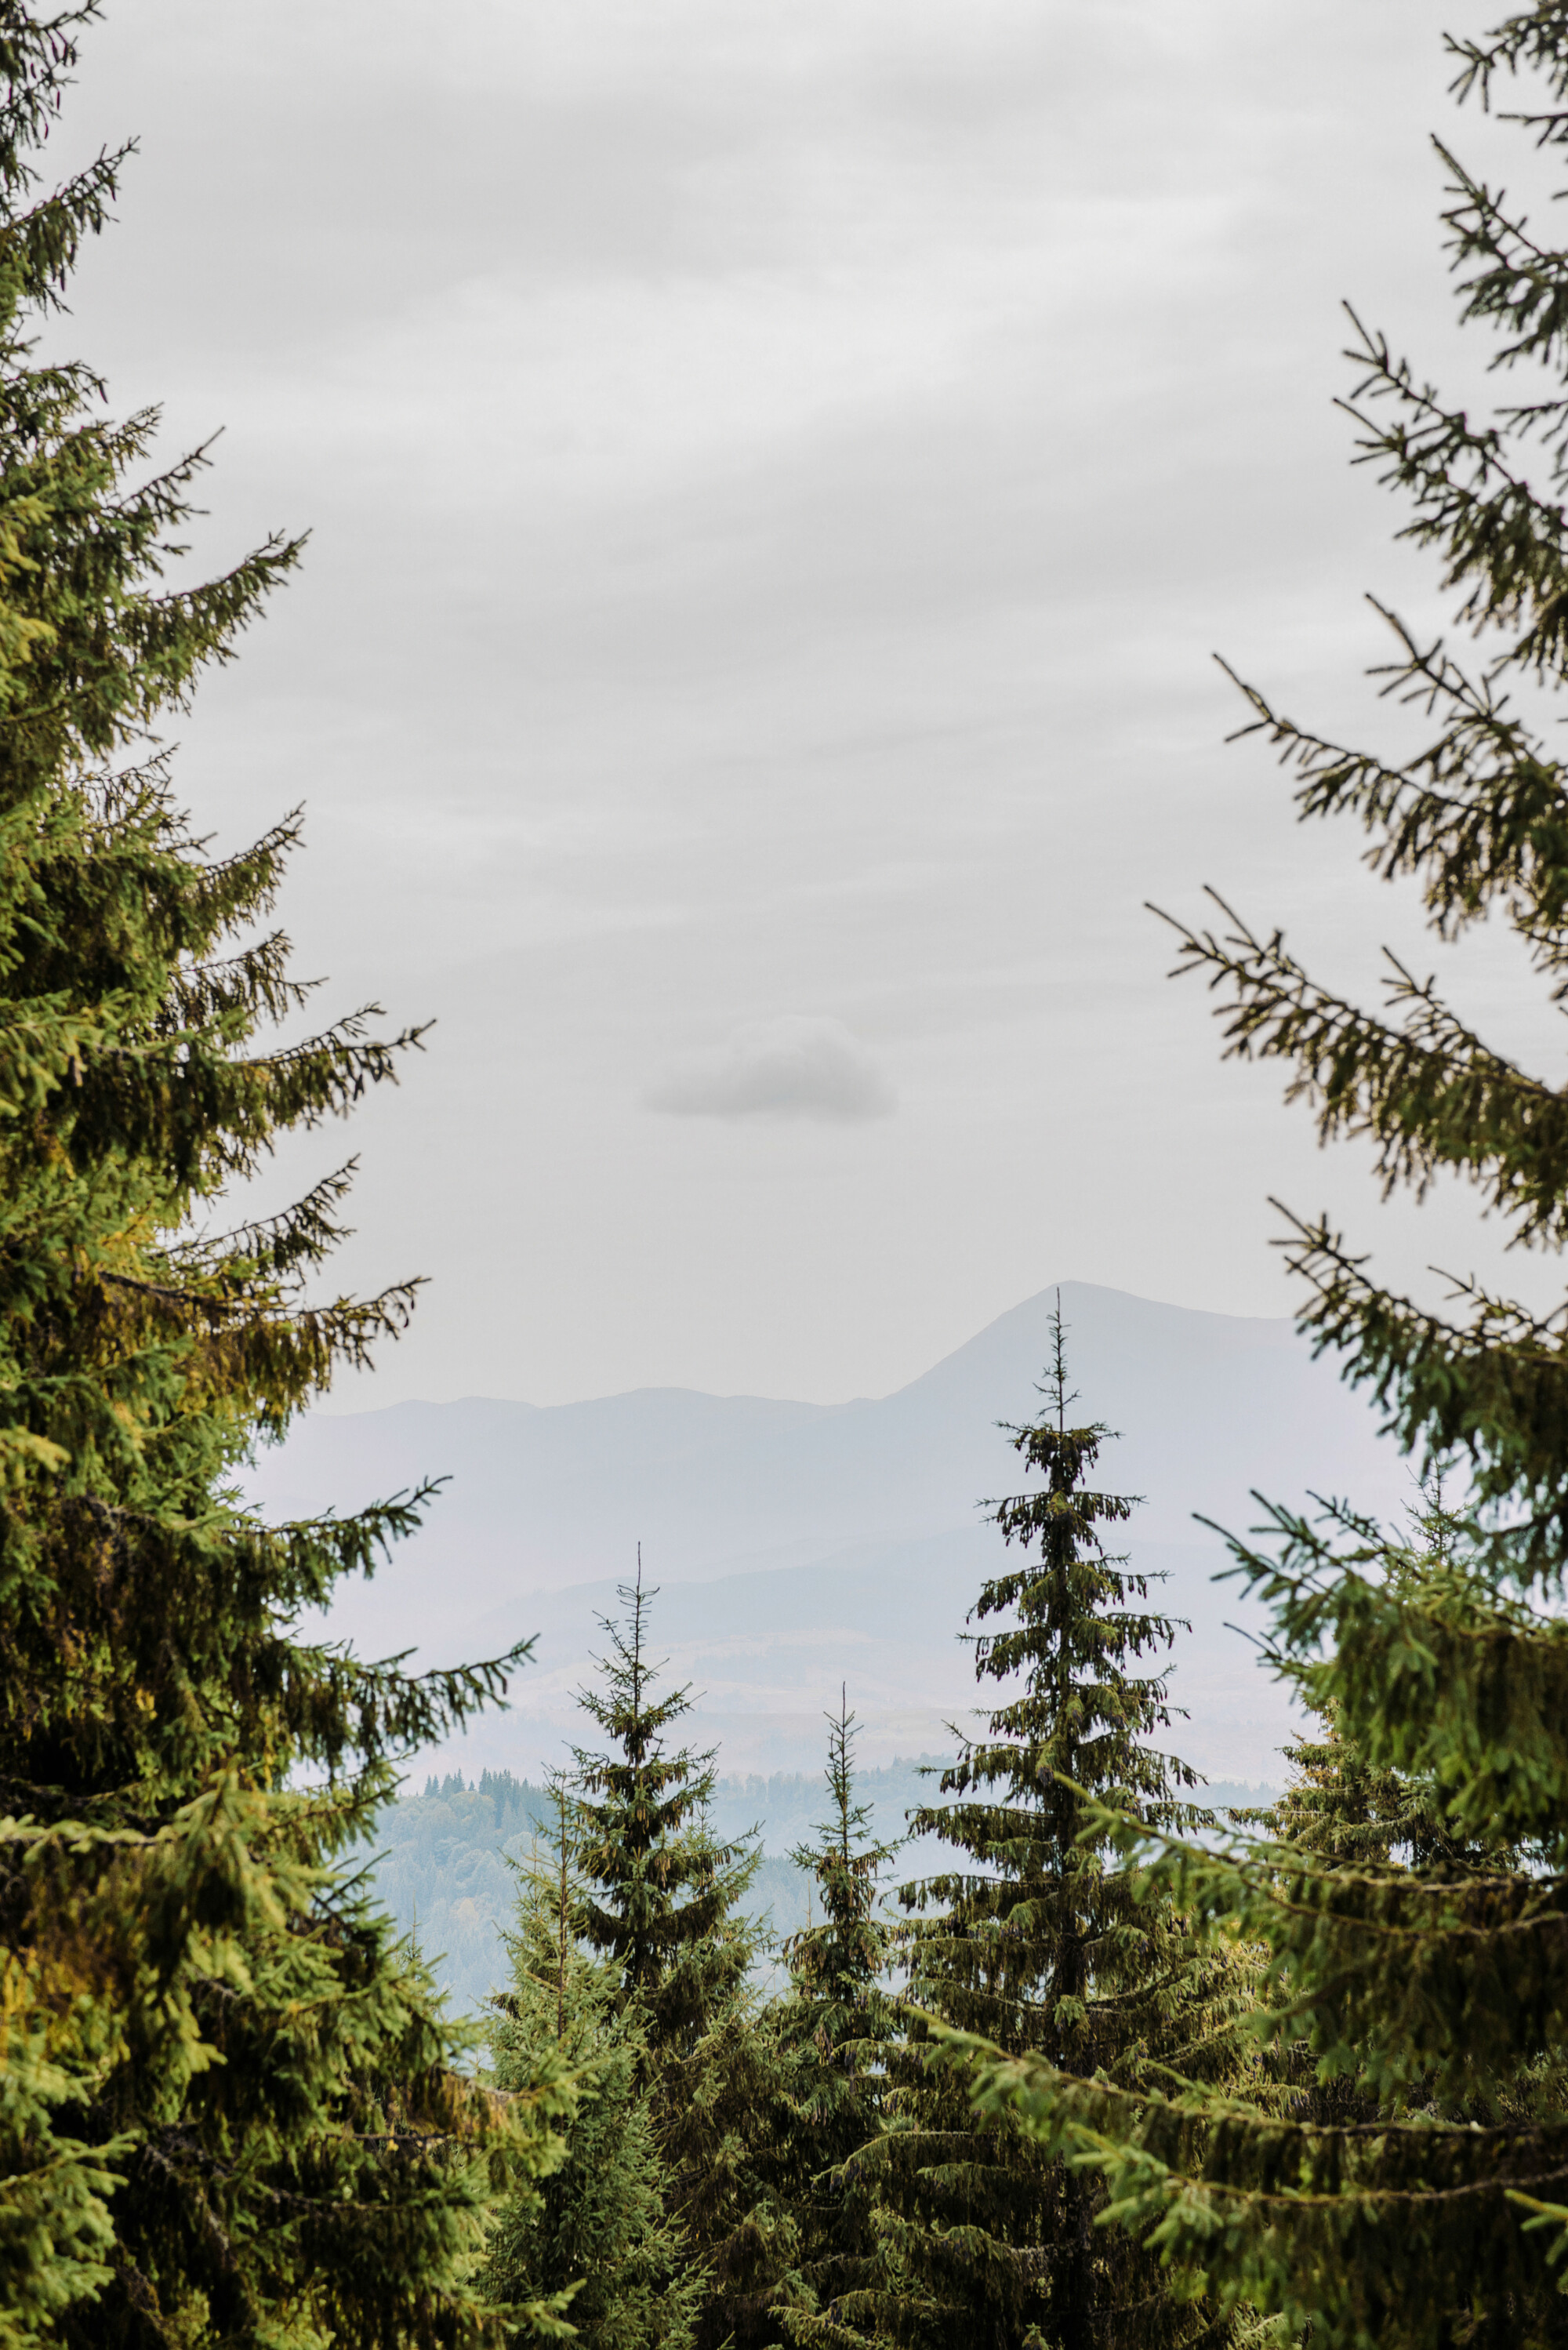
(597, 2236)
(1435, 1981)
(661, 1891)
(230, 2106)
(663, 1903)
(836, 2025)
(1036, 1938)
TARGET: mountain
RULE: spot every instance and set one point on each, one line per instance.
(797, 1546)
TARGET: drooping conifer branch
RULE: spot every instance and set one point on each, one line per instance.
(1428, 1093)
(1393, 2168)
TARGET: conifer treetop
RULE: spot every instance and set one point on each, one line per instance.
(1037, 1934)
(661, 1886)
(622, 1710)
(835, 1960)
(1082, 1715)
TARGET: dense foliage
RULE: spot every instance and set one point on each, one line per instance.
(230, 2108)
(1413, 1904)
(835, 2026)
(599, 2236)
(662, 1891)
(1038, 1939)
(664, 1902)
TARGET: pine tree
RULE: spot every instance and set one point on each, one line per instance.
(1036, 1939)
(663, 1905)
(597, 2236)
(835, 2026)
(230, 2106)
(1435, 1981)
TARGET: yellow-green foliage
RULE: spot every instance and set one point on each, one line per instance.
(599, 2234)
(230, 2108)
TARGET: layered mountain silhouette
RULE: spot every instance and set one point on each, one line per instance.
(799, 1546)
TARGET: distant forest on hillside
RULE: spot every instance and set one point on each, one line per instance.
(441, 1856)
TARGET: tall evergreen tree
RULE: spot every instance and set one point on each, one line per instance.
(663, 1902)
(230, 2108)
(834, 2026)
(1437, 1981)
(596, 2237)
(662, 1890)
(1039, 1940)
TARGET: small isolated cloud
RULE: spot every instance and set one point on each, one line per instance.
(794, 1067)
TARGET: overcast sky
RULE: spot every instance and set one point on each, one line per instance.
(778, 469)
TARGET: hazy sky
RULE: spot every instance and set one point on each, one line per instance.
(777, 475)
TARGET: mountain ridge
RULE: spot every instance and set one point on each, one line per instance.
(870, 1511)
(1278, 1326)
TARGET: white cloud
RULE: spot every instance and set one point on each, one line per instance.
(797, 1066)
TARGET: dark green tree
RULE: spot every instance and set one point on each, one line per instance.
(1036, 1938)
(1429, 1971)
(1337, 1803)
(230, 2108)
(661, 1892)
(663, 1903)
(836, 2025)
(1340, 1807)
(597, 2235)
(726, 2119)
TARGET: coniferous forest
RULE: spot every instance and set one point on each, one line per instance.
(1070, 2059)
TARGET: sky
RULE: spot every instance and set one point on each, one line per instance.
(777, 476)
